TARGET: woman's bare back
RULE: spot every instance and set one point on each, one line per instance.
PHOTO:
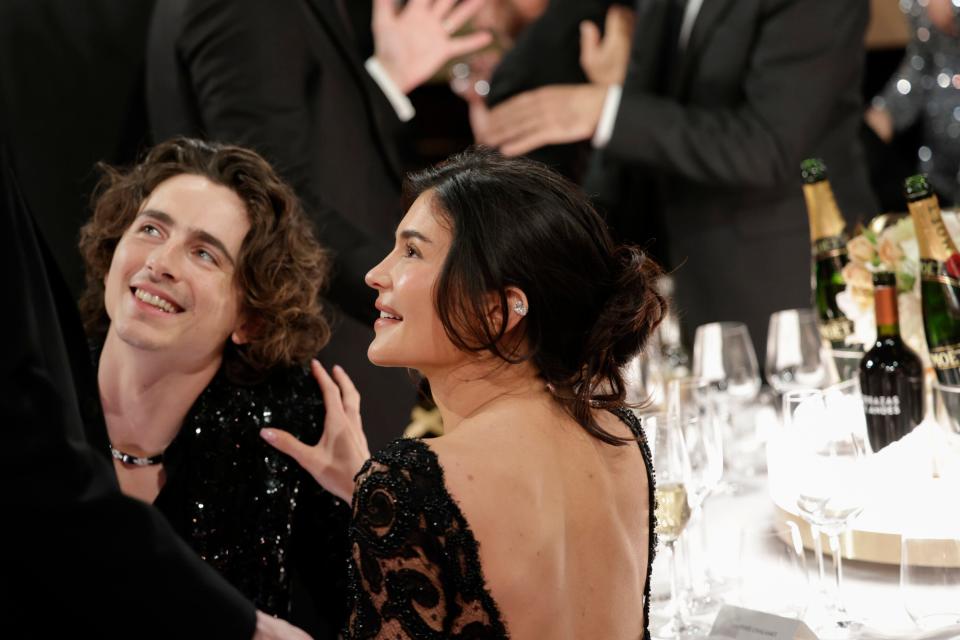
(562, 519)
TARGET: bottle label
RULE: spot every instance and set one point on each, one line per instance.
(946, 357)
(934, 271)
(823, 212)
(885, 306)
(829, 247)
(881, 405)
(933, 237)
(836, 330)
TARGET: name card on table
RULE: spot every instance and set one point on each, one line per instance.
(735, 623)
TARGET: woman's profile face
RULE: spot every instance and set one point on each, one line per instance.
(409, 332)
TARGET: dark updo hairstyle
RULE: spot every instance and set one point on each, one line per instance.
(517, 223)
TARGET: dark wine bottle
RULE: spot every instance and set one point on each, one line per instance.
(828, 241)
(891, 373)
(939, 280)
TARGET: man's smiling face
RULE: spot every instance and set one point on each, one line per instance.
(171, 281)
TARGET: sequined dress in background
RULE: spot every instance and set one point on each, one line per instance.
(927, 87)
(252, 512)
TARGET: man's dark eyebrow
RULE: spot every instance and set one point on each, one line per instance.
(202, 235)
(407, 234)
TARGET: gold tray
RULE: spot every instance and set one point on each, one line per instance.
(868, 546)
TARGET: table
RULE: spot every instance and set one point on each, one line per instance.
(871, 590)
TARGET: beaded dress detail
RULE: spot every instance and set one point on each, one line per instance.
(250, 511)
(415, 568)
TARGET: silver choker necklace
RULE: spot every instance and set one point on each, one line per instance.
(137, 461)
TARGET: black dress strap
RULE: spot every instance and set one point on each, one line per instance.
(633, 422)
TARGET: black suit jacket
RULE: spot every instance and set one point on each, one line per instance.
(707, 145)
(285, 78)
(71, 85)
(79, 558)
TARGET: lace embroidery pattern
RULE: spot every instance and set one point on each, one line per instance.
(414, 567)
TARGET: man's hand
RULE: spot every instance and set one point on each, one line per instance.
(605, 60)
(270, 628)
(881, 122)
(943, 15)
(414, 42)
(342, 449)
(554, 114)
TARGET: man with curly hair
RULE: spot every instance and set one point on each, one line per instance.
(202, 274)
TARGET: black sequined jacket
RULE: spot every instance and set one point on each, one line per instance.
(252, 512)
(415, 570)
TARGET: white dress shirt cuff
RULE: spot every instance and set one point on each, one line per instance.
(608, 116)
(400, 102)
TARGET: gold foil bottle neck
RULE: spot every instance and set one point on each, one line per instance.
(933, 239)
(822, 209)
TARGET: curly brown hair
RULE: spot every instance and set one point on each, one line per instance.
(280, 268)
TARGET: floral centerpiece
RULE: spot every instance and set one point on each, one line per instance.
(894, 250)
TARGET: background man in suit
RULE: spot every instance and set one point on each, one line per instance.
(721, 101)
(71, 88)
(79, 558)
(285, 79)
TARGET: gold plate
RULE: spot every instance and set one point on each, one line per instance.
(868, 546)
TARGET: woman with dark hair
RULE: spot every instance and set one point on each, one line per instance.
(532, 516)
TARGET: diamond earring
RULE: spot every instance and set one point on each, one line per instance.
(519, 308)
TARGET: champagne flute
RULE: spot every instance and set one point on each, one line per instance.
(704, 441)
(795, 353)
(672, 467)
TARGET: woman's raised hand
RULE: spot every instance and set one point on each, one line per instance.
(342, 450)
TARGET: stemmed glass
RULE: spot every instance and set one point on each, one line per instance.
(723, 356)
(930, 578)
(827, 436)
(704, 441)
(796, 358)
(672, 467)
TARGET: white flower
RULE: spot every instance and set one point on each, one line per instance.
(860, 249)
(864, 326)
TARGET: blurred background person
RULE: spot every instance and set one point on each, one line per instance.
(286, 78)
(71, 90)
(701, 145)
(926, 90)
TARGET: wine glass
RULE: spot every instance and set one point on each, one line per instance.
(946, 407)
(773, 554)
(930, 579)
(829, 450)
(723, 355)
(672, 467)
(795, 353)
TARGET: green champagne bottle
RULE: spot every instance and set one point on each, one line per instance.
(939, 280)
(829, 249)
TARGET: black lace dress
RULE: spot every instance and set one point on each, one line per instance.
(415, 569)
